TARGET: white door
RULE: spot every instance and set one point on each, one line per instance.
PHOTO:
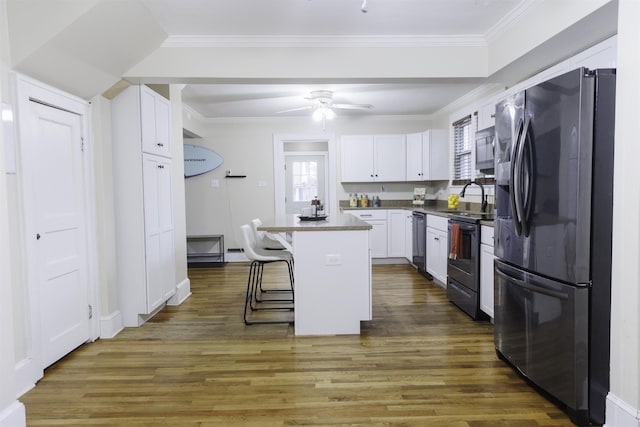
(305, 178)
(54, 151)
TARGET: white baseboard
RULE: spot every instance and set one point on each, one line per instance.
(27, 374)
(183, 291)
(13, 415)
(381, 261)
(111, 325)
(620, 414)
(235, 257)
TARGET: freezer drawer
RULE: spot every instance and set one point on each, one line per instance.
(541, 328)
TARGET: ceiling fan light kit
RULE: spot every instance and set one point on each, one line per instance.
(323, 113)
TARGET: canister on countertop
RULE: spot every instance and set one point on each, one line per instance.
(376, 202)
(353, 200)
(364, 201)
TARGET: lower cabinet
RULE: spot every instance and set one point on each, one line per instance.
(408, 235)
(377, 218)
(437, 247)
(486, 270)
(396, 233)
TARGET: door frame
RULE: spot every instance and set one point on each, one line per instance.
(331, 205)
(324, 155)
(27, 90)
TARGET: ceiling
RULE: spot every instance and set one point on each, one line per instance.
(307, 21)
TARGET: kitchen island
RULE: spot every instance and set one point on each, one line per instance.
(332, 272)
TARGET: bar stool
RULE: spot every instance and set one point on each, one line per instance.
(265, 240)
(271, 245)
(254, 300)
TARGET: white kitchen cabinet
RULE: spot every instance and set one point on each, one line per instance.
(487, 115)
(437, 235)
(144, 229)
(377, 218)
(486, 270)
(408, 235)
(396, 219)
(154, 123)
(428, 156)
(371, 158)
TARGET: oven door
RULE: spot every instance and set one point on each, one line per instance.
(464, 268)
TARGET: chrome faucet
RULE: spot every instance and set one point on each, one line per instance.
(483, 198)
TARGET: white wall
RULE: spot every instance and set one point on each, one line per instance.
(11, 411)
(624, 396)
(247, 149)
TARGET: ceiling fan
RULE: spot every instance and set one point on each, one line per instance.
(322, 104)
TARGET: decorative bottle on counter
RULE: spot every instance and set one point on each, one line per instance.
(364, 201)
(353, 200)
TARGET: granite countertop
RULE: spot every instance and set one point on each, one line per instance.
(334, 222)
(432, 209)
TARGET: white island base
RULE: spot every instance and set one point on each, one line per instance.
(332, 273)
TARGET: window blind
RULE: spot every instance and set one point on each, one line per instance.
(462, 148)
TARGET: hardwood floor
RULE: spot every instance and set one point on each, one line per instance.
(420, 362)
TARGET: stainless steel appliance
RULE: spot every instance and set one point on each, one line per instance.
(463, 266)
(485, 150)
(419, 256)
(554, 186)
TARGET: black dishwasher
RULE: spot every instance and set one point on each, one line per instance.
(419, 256)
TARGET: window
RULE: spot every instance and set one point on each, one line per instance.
(305, 180)
(462, 144)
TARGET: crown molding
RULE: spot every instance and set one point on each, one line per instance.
(377, 118)
(240, 41)
(511, 19)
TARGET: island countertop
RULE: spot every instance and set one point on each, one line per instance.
(334, 222)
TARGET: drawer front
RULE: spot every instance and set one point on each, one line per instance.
(486, 235)
(437, 222)
(369, 215)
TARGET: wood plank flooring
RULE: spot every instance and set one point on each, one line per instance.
(420, 362)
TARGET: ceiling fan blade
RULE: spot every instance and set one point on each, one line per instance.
(295, 109)
(352, 106)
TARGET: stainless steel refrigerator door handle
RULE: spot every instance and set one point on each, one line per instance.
(528, 168)
(531, 287)
(514, 183)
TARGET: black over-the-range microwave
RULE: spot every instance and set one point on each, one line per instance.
(484, 150)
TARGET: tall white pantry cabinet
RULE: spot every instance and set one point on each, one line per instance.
(140, 126)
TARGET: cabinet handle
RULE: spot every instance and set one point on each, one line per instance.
(436, 238)
(160, 144)
(366, 215)
(160, 166)
(371, 175)
(493, 116)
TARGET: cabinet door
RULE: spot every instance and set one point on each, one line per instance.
(435, 152)
(390, 158)
(486, 279)
(487, 116)
(378, 238)
(158, 227)
(357, 158)
(396, 233)
(414, 157)
(155, 123)
(441, 257)
(433, 247)
(408, 236)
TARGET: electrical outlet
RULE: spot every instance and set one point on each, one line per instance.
(333, 259)
(215, 183)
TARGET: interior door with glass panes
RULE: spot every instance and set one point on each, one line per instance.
(305, 178)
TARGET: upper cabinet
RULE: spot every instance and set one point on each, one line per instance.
(487, 115)
(428, 156)
(154, 119)
(373, 158)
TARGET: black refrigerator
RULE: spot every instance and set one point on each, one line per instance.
(554, 201)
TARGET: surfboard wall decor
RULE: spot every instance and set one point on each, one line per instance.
(199, 160)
